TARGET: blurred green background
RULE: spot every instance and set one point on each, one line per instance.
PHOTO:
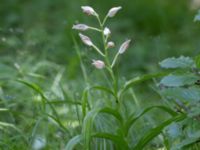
(36, 44)
(41, 30)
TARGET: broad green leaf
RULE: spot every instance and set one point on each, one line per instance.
(73, 142)
(181, 62)
(179, 80)
(191, 94)
(133, 118)
(156, 131)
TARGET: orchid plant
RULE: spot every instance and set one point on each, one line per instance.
(120, 136)
(105, 62)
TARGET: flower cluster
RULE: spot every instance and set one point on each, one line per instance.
(106, 33)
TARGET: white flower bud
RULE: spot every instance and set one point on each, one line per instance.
(86, 40)
(98, 64)
(124, 46)
(112, 12)
(106, 31)
(81, 27)
(110, 44)
(89, 10)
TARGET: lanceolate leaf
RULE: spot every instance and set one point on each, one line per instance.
(88, 126)
(181, 62)
(117, 140)
(134, 117)
(73, 142)
(84, 102)
(112, 112)
(179, 80)
(89, 122)
(156, 131)
(107, 90)
(141, 79)
(44, 100)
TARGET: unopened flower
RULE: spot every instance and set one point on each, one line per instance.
(112, 12)
(106, 31)
(86, 40)
(124, 46)
(89, 10)
(110, 44)
(81, 27)
(98, 64)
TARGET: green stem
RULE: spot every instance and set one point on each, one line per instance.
(114, 60)
(98, 50)
(95, 29)
(109, 68)
(104, 21)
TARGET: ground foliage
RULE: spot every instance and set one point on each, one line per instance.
(52, 97)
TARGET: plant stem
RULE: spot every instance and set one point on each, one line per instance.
(109, 68)
(114, 60)
(98, 50)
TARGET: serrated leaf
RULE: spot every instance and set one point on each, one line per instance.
(185, 94)
(179, 80)
(181, 62)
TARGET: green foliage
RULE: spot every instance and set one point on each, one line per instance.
(181, 62)
(182, 91)
(179, 80)
(51, 94)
